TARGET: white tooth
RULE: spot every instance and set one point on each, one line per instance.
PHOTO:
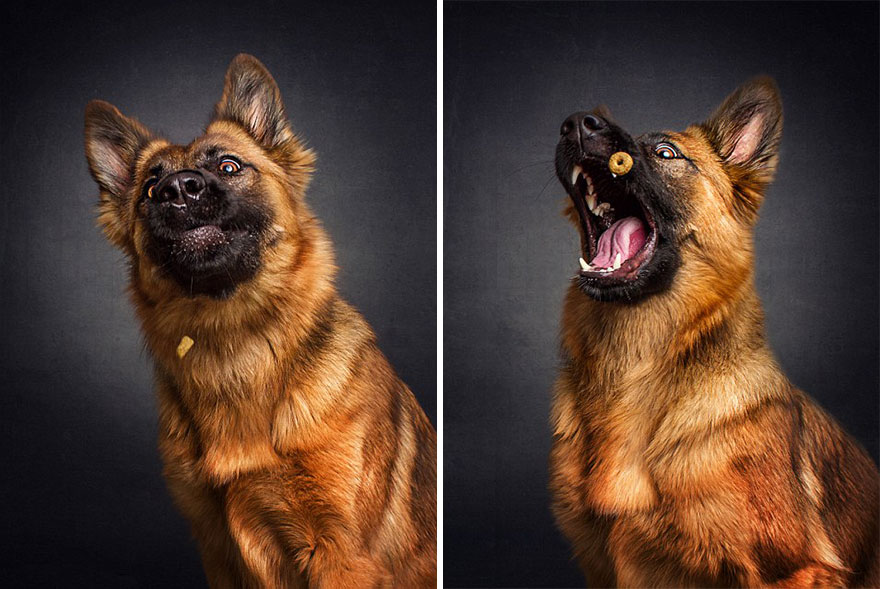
(575, 173)
(616, 261)
(591, 201)
(584, 265)
(601, 209)
(589, 184)
(613, 175)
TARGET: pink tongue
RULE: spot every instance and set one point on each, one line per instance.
(625, 237)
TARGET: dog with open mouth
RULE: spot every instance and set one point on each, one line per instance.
(288, 441)
(682, 455)
(627, 239)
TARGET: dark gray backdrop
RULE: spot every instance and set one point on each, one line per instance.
(513, 72)
(83, 503)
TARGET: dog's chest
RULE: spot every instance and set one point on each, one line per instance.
(608, 426)
(619, 479)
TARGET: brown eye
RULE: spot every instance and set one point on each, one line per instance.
(666, 151)
(148, 189)
(229, 165)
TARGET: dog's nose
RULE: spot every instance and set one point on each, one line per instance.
(593, 123)
(581, 124)
(181, 187)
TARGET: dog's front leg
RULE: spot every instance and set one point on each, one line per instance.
(286, 546)
(223, 565)
(201, 504)
(266, 559)
(813, 575)
(221, 558)
(332, 564)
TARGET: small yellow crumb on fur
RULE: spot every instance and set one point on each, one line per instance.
(183, 347)
(620, 163)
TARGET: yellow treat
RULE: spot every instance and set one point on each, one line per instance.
(183, 347)
(620, 163)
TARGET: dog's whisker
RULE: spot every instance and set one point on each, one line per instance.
(546, 184)
(532, 165)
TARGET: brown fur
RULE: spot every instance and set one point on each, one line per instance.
(289, 442)
(682, 455)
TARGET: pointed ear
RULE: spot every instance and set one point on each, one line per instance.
(745, 132)
(746, 129)
(252, 99)
(113, 142)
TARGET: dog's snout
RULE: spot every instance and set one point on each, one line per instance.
(567, 127)
(581, 124)
(180, 188)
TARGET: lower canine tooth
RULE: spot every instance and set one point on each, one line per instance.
(616, 261)
(584, 265)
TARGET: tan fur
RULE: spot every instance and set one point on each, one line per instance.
(682, 455)
(289, 442)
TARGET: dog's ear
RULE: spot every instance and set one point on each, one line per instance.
(745, 132)
(252, 99)
(113, 142)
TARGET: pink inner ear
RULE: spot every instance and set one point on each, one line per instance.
(747, 142)
(256, 119)
(112, 167)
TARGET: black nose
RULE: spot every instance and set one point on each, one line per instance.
(180, 187)
(581, 123)
(593, 123)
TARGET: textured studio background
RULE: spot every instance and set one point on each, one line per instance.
(513, 72)
(83, 501)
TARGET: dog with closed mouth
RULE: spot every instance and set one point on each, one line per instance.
(682, 456)
(288, 441)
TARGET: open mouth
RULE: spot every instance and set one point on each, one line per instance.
(619, 232)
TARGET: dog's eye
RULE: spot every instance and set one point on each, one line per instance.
(149, 186)
(666, 151)
(229, 165)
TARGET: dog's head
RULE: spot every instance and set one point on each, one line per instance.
(199, 218)
(685, 202)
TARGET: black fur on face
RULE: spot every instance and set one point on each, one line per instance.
(204, 209)
(582, 165)
(208, 241)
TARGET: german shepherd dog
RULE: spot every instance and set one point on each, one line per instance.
(682, 456)
(290, 444)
